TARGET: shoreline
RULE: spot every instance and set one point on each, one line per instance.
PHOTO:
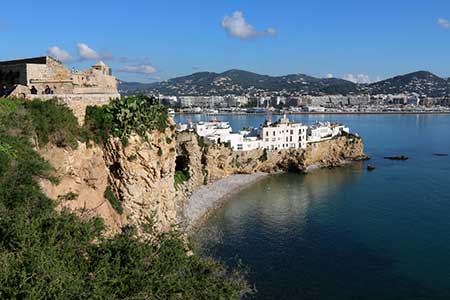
(209, 198)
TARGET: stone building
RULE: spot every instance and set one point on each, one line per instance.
(45, 78)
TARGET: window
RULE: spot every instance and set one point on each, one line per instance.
(239, 146)
(290, 138)
(274, 133)
(267, 133)
(292, 131)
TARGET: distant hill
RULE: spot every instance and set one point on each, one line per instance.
(241, 82)
(422, 83)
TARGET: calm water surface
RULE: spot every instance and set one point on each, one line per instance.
(347, 233)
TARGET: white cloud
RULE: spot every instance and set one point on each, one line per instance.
(358, 78)
(138, 69)
(87, 53)
(329, 75)
(444, 23)
(59, 54)
(236, 26)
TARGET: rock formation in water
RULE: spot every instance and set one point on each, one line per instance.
(154, 177)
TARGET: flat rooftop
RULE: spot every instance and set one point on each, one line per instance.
(42, 60)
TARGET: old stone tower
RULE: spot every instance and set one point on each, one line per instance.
(45, 78)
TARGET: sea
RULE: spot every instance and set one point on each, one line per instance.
(345, 233)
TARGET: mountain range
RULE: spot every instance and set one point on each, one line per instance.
(239, 82)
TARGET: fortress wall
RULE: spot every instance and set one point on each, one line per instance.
(79, 102)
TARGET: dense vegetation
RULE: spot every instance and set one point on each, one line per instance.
(45, 254)
(122, 117)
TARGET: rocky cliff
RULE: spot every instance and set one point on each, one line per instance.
(154, 177)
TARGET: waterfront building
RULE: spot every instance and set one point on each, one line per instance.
(279, 135)
(283, 134)
(244, 140)
(313, 109)
(211, 130)
(324, 131)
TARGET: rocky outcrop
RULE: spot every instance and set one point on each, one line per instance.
(142, 174)
(83, 178)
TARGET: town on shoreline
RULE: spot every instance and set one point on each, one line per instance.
(279, 135)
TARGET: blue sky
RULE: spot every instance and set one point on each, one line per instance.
(145, 40)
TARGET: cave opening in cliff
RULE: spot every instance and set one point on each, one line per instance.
(182, 164)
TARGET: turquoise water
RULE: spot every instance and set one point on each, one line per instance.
(347, 233)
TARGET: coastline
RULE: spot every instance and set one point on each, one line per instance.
(212, 196)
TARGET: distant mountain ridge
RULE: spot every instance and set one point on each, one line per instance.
(239, 82)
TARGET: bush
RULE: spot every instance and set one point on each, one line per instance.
(113, 200)
(53, 122)
(122, 117)
(263, 156)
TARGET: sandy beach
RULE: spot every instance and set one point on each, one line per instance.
(211, 196)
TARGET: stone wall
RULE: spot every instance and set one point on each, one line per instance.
(79, 102)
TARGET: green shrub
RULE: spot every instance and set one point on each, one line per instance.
(70, 196)
(263, 156)
(160, 152)
(98, 124)
(200, 141)
(53, 122)
(113, 200)
(122, 117)
(168, 140)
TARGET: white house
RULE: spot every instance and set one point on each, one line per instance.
(244, 141)
(325, 131)
(211, 128)
(283, 135)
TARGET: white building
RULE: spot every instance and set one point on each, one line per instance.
(211, 128)
(280, 135)
(313, 109)
(244, 140)
(325, 131)
(283, 135)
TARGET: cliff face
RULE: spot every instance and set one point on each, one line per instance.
(142, 174)
(83, 178)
